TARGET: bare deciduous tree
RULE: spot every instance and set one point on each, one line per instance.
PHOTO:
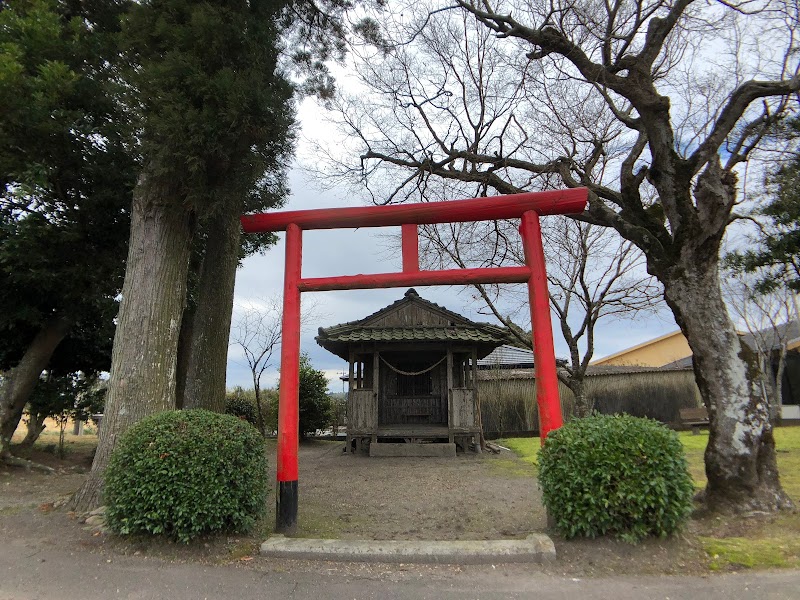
(767, 316)
(257, 331)
(591, 275)
(654, 105)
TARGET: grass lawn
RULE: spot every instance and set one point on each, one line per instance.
(772, 541)
(78, 445)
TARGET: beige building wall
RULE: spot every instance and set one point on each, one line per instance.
(654, 353)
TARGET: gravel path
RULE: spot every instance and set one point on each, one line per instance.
(470, 497)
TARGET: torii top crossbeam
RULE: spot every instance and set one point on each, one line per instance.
(557, 202)
(527, 207)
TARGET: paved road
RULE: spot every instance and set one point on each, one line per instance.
(31, 573)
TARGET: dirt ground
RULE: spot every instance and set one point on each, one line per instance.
(472, 496)
(351, 497)
(20, 489)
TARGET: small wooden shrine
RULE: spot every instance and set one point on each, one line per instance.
(413, 375)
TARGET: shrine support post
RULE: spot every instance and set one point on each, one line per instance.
(544, 358)
(289, 401)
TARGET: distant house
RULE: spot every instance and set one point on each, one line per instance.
(671, 351)
(657, 352)
(507, 357)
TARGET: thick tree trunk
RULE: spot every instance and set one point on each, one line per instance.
(23, 378)
(187, 323)
(584, 405)
(143, 361)
(775, 385)
(740, 457)
(184, 355)
(211, 326)
(35, 427)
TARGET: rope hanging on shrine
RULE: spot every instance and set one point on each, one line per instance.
(412, 373)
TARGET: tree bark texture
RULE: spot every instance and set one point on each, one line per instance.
(35, 427)
(184, 355)
(211, 326)
(740, 457)
(774, 383)
(143, 362)
(584, 405)
(24, 377)
(187, 323)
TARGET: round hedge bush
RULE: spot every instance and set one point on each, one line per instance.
(241, 407)
(185, 473)
(617, 475)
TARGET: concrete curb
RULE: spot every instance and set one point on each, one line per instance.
(535, 548)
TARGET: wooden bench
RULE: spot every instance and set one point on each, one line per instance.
(694, 418)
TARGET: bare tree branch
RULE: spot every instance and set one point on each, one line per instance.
(657, 106)
(257, 331)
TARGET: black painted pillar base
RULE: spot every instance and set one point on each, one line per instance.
(286, 508)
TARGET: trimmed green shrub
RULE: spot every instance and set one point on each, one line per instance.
(618, 475)
(239, 405)
(185, 473)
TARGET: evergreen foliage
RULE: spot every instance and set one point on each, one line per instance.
(777, 257)
(615, 475)
(61, 398)
(73, 395)
(209, 97)
(315, 404)
(186, 473)
(238, 404)
(217, 120)
(67, 169)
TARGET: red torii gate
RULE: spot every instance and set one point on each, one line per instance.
(527, 207)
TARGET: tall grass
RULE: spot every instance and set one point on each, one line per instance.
(508, 398)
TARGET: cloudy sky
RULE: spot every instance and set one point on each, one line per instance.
(348, 252)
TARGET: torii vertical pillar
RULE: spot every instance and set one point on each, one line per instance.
(544, 357)
(289, 405)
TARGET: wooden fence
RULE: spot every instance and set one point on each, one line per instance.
(508, 397)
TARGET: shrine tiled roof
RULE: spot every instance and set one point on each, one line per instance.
(418, 334)
(452, 327)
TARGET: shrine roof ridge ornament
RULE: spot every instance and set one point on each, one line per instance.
(513, 206)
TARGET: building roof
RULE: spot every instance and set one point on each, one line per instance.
(632, 349)
(507, 357)
(681, 363)
(410, 334)
(451, 327)
(599, 370)
(772, 337)
(591, 371)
